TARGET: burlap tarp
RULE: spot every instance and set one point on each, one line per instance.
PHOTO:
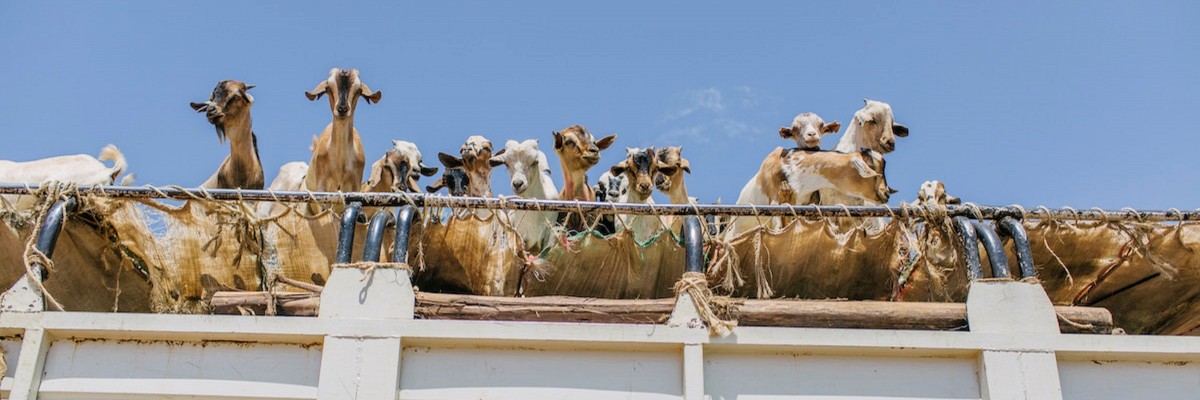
(468, 252)
(616, 266)
(813, 258)
(92, 268)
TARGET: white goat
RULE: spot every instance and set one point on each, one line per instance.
(807, 130)
(80, 169)
(873, 127)
(934, 193)
(530, 179)
(290, 179)
(611, 188)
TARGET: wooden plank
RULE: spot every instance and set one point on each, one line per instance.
(777, 313)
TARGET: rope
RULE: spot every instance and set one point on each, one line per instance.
(369, 267)
(695, 284)
(49, 193)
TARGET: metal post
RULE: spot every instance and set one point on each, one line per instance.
(1011, 227)
(346, 232)
(995, 249)
(404, 220)
(970, 245)
(693, 244)
(373, 245)
(47, 238)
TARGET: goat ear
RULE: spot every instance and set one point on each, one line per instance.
(449, 161)
(831, 127)
(426, 170)
(899, 130)
(953, 200)
(437, 185)
(200, 107)
(863, 169)
(318, 91)
(666, 171)
(785, 132)
(687, 166)
(371, 97)
(892, 191)
(619, 169)
(499, 153)
(558, 140)
(496, 161)
(606, 141)
(376, 172)
(862, 117)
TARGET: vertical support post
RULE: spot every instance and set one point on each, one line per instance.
(360, 368)
(1014, 308)
(693, 371)
(27, 378)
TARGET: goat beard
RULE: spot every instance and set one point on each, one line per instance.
(220, 132)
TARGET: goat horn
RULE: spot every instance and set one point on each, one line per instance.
(248, 87)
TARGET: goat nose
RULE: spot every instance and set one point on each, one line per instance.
(343, 109)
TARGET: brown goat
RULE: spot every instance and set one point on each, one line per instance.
(338, 160)
(577, 152)
(228, 109)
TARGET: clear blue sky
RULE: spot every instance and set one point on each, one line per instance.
(1075, 103)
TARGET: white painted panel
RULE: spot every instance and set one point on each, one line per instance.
(1125, 380)
(471, 373)
(138, 369)
(754, 376)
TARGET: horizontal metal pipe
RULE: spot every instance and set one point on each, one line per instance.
(397, 199)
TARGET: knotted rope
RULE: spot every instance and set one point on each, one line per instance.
(48, 194)
(369, 267)
(695, 284)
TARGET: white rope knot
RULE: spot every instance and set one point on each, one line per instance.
(695, 284)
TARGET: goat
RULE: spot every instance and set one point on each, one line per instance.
(612, 189)
(80, 169)
(807, 130)
(530, 179)
(934, 193)
(455, 180)
(476, 160)
(289, 179)
(475, 189)
(228, 109)
(669, 179)
(873, 127)
(398, 169)
(577, 152)
(338, 160)
(859, 175)
(639, 167)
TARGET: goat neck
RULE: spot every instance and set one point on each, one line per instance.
(854, 140)
(575, 185)
(678, 193)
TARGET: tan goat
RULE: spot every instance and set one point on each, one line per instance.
(670, 180)
(639, 167)
(807, 130)
(577, 152)
(476, 161)
(934, 193)
(338, 160)
(228, 109)
(398, 169)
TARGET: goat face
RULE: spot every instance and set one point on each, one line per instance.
(393, 169)
(879, 126)
(344, 88)
(611, 188)
(476, 148)
(228, 98)
(640, 167)
(934, 192)
(417, 166)
(524, 161)
(670, 162)
(875, 162)
(455, 179)
(578, 149)
(807, 130)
